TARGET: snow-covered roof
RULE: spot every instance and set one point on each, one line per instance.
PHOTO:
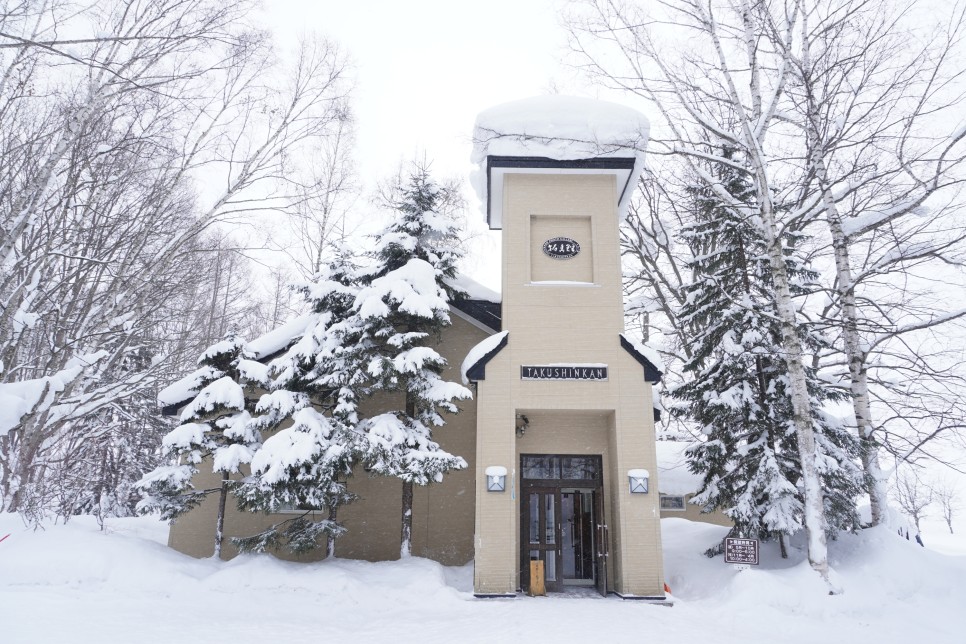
(473, 289)
(279, 338)
(180, 391)
(557, 134)
(646, 357)
(265, 346)
(476, 359)
(674, 477)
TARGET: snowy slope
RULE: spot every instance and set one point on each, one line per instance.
(73, 584)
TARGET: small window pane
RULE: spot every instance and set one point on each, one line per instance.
(541, 467)
(551, 525)
(534, 518)
(550, 574)
(548, 467)
(580, 467)
(672, 502)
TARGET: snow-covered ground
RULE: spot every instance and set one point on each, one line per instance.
(74, 584)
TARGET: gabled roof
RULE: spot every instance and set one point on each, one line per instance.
(489, 314)
(651, 373)
(474, 365)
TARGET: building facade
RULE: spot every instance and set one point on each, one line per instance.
(560, 436)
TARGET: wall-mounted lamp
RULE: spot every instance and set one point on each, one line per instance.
(495, 478)
(638, 481)
(521, 424)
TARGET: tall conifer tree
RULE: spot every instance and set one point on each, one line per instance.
(216, 426)
(315, 384)
(403, 307)
(737, 391)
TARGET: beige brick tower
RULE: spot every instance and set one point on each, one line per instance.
(564, 401)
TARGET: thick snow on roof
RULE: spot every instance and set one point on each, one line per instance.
(279, 338)
(558, 127)
(479, 351)
(473, 289)
(674, 477)
(648, 352)
(188, 387)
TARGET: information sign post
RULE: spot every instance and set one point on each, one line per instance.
(741, 552)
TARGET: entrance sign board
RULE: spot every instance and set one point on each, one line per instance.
(561, 248)
(741, 551)
(563, 372)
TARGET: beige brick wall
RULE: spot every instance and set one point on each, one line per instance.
(443, 513)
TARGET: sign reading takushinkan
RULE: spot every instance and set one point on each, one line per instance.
(741, 551)
(564, 372)
(561, 248)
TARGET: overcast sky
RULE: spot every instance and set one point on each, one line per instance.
(425, 68)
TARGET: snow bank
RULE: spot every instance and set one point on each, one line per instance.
(895, 591)
(75, 584)
(558, 127)
(672, 466)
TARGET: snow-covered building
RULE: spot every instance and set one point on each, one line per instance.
(677, 485)
(559, 437)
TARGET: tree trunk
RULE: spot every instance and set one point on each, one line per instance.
(814, 503)
(329, 539)
(858, 376)
(406, 537)
(220, 522)
(815, 523)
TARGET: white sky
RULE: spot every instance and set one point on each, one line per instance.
(426, 68)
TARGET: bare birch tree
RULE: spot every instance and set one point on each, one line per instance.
(869, 94)
(725, 90)
(121, 149)
(856, 107)
(947, 496)
(913, 496)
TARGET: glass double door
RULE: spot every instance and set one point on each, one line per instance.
(561, 528)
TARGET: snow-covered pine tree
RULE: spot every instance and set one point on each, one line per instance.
(402, 308)
(737, 392)
(216, 426)
(315, 385)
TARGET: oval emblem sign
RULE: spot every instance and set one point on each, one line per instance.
(561, 248)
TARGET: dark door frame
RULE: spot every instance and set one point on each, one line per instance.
(552, 579)
(554, 486)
